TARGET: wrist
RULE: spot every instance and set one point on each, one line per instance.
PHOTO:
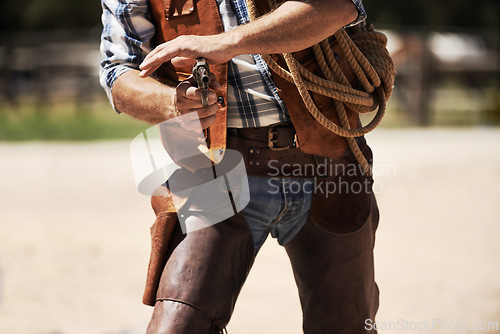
(233, 42)
(168, 105)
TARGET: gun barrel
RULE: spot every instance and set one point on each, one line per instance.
(204, 75)
(201, 73)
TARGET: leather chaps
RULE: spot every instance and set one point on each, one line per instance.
(202, 278)
(331, 257)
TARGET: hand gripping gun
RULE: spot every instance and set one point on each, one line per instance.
(201, 73)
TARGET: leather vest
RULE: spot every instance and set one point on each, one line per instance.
(174, 18)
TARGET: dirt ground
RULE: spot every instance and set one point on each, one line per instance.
(74, 240)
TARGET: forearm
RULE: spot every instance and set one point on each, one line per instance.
(143, 98)
(293, 26)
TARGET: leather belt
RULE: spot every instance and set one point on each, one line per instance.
(273, 152)
(279, 136)
(268, 151)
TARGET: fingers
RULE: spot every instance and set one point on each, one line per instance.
(161, 54)
(214, 83)
(203, 112)
(183, 62)
(207, 122)
(188, 100)
(182, 48)
(189, 95)
(204, 122)
(193, 119)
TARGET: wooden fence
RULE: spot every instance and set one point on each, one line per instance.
(433, 67)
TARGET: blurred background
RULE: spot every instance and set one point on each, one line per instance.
(74, 240)
(446, 56)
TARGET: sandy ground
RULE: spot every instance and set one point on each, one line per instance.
(74, 240)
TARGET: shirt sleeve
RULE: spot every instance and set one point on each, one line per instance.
(361, 13)
(125, 40)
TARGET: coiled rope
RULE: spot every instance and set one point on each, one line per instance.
(366, 53)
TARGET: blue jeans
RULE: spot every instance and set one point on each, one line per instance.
(278, 206)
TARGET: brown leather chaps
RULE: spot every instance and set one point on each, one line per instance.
(202, 278)
(331, 257)
(207, 268)
(335, 276)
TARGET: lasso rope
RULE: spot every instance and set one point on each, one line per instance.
(366, 53)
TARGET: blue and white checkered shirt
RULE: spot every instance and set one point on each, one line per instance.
(127, 38)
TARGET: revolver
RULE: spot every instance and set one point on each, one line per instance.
(201, 73)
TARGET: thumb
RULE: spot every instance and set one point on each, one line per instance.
(183, 62)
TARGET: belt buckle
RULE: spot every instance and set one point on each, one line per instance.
(272, 140)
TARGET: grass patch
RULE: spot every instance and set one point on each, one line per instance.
(65, 121)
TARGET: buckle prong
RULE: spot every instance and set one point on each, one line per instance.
(272, 140)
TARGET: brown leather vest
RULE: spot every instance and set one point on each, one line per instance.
(201, 17)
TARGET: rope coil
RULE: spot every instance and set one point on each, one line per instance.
(366, 53)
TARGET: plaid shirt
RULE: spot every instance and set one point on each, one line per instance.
(127, 38)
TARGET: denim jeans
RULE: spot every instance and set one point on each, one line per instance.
(278, 206)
